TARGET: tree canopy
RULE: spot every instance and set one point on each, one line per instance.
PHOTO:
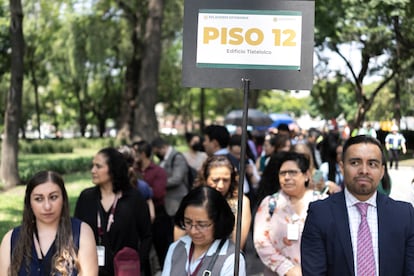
(94, 62)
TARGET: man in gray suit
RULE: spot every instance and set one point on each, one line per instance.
(359, 228)
(176, 167)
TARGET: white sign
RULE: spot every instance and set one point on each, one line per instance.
(249, 39)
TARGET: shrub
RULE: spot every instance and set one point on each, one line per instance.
(62, 166)
(43, 146)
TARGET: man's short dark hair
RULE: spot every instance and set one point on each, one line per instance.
(313, 132)
(283, 127)
(142, 147)
(218, 133)
(158, 143)
(359, 139)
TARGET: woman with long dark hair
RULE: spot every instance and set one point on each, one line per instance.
(48, 242)
(115, 210)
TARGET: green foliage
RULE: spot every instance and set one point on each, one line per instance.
(4, 58)
(381, 110)
(382, 32)
(64, 145)
(4, 39)
(78, 53)
(46, 146)
(280, 101)
(11, 206)
(325, 97)
(63, 156)
(347, 102)
(62, 166)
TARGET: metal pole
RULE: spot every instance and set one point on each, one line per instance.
(242, 173)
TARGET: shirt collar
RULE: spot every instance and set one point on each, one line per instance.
(211, 250)
(351, 200)
(222, 151)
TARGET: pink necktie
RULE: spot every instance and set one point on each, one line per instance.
(365, 252)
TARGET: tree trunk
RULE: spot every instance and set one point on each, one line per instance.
(126, 115)
(101, 125)
(30, 56)
(9, 154)
(125, 119)
(202, 109)
(253, 98)
(82, 122)
(397, 100)
(36, 92)
(145, 123)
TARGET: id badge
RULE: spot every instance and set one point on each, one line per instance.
(293, 232)
(206, 273)
(100, 250)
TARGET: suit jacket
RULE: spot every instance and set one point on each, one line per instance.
(326, 247)
(177, 187)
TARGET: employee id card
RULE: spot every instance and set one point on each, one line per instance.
(293, 232)
(100, 250)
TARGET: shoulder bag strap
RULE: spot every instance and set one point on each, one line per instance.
(207, 272)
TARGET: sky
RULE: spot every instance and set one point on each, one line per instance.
(352, 53)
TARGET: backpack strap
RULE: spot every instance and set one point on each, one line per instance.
(173, 158)
(175, 155)
(272, 203)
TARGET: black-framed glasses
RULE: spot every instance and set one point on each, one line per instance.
(291, 173)
(201, 226)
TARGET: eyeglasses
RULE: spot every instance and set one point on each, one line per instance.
(198, 226)
(291, 173)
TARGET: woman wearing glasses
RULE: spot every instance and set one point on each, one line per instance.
(219, 173)
(280, 217)
(206, 248)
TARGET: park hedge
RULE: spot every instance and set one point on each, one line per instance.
(61, 166)
(41, 151)
(45, 146)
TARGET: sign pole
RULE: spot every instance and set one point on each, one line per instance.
(246, 88)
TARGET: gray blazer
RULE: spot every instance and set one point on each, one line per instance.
(177, 170)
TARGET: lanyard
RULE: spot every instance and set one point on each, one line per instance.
(110, 219)
(38, 242)
(190, 256)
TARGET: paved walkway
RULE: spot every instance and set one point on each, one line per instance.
(402, 187)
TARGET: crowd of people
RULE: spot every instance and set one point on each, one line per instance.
(294, 191)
